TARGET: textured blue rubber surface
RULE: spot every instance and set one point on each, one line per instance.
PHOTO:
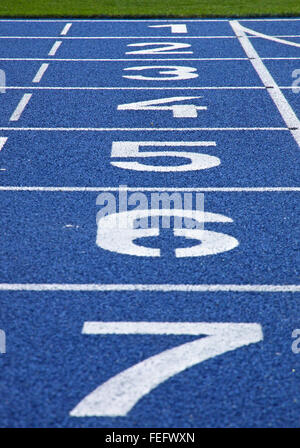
(62, 139)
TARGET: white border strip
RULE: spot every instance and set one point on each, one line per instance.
(126, 59)
(94, 287)
(180, 20)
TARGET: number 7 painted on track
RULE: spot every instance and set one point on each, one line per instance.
(118, 395)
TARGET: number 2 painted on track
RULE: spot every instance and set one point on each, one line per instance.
(163, 48)
(118, 395)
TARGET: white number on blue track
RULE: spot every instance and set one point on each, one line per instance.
(118, 395)
(163, 48)
(178, 110)
(197, 161)
(176, 73)
(175, 27)
(116, 232)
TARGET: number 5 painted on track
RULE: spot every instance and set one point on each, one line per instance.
(118, 395)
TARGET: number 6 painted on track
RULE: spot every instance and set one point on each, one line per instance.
(116, 233)
(118, 395)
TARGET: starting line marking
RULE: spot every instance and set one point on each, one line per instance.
(94, 287)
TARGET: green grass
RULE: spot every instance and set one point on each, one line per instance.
(148, 8)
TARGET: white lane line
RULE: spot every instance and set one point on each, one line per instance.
(20, 107)
(146, 287)
(275, 93)
(97, 21)
(40, 73)
(127, 59)
(66, 29)
(137, 88)
(140, 189)
(116, 37)
(141, 129)
(254, 36)
(2, 142)
(280, 58)
(54, 48)
(143, 59)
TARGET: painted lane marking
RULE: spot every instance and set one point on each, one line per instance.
(3, 140)
(272, 38)
(140, 88)
(148, 20)
(148, 287)
(20, 107)
(141, 129)
(66, 29)
(255, 35)
(175, 27)
(40, 73)
(140, 189)
(118, 395)
(274, 91)
(54, 48)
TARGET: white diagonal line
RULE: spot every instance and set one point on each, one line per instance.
(273, 38)
(2, 142)
(54, 48)
(284, 108)
(66, 29)
(40, 73)
(20, 107)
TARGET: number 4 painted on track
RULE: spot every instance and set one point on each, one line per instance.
(178, 110)
(118, 395)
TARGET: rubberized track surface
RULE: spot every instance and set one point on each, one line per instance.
(120, 329)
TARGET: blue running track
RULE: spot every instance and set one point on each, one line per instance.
(159, 327)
